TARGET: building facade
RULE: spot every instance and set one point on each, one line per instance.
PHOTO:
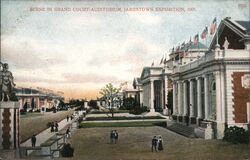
(216, 87)
(39, 98)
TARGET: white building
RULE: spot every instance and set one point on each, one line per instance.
(216, 87)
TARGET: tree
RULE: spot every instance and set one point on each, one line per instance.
(109, 92)
(93, 104)
(129, 103)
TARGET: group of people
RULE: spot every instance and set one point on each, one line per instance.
(71, 117)
(157, 144)
(113, 136)
(54, 126)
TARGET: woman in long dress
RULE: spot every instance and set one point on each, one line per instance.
(160, 145)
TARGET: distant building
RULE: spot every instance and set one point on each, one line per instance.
(137, 85)
(40, 97)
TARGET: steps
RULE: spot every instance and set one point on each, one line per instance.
(181, 129)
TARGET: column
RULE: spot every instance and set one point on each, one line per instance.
(199, 104)
(180, 98)
(38, 103)
(174, 99)
(220, 104)
(206, 95)
(184, 98)
(152, 109)
(191, 96)
(165, 111)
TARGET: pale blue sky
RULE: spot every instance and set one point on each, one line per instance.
(79, 52)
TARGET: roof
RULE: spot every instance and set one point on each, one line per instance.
(244, 24)
(239, 27)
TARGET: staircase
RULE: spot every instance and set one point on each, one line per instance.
(181, 129)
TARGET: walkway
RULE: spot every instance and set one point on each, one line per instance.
(46, 134)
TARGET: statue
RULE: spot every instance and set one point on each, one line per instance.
(6, 82)
(226, 44)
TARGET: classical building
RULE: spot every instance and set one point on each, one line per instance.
(155, 87)
(40, 97)
(215, 87)
(137, 85)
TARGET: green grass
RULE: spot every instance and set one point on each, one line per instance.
(108, 112)
(34, 114)
(123, 124)
(121, 118)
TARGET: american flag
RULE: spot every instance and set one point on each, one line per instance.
(213, 26)
(204, 33)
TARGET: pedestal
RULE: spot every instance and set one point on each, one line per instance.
(9, 125)
(220, 128)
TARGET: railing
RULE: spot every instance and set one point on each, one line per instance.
(214, 55)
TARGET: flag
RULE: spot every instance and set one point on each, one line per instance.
(152, 64)
(213, 27)
(196, 39)
(204, 33)
(183, 44)
(161, 60)
(165, 61)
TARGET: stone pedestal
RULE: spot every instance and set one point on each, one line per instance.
(9, 125)
(165, 111)
(220, 127)
(209, 132)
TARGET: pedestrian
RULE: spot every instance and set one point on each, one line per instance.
(33, 140)
(154, 144)
(52, 127)
(160, 144)
(71, 117)
(68, 133)
(56, 126)
(67, 118)
(112, 136)
(116, 136)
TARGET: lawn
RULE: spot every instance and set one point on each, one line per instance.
(122, 118)
(135, 144)
(124, 124)
(34, 123)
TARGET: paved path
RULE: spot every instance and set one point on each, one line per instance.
(46, 134)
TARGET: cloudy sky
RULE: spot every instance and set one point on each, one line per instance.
(74, 47)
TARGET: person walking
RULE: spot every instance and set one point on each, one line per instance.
(116, 136)
(160, 144)
(112, 136)
(33, 141)
(68, 133)
(56, 126)
(154, 144)
(52, 127)
(67, 118)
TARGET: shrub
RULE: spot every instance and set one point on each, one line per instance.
(236, 135)
(67, 151)
(138, 110)
(22, 111)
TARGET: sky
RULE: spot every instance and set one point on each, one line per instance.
(79, 46)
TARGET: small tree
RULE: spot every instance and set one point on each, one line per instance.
(109, 92)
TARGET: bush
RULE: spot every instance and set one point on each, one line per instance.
(22, 111)
(236, 135)
(67, 151)
(138, 110)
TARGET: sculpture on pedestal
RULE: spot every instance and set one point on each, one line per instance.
(6, 82)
